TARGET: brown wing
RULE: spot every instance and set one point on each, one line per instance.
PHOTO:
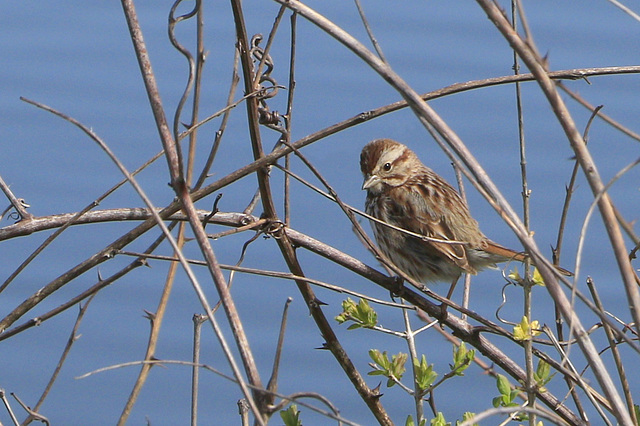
(428, 211)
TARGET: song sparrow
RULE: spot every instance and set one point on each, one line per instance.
(403, 192)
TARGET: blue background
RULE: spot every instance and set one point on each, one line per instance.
(77, 57)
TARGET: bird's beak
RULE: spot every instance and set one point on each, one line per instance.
(369, 181)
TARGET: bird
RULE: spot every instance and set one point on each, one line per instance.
(404, 193)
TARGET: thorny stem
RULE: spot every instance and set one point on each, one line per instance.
(430, 119)
(462, 329)
(288, 117)
(526, 194)
(534, 62)
(179, 186)
(557, 251)
(272, 385)
(263, 400)
(285, 245)
(156, 319)
(613, 345)
(261, 160)
(72, 339)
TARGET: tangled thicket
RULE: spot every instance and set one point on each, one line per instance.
(531, 385)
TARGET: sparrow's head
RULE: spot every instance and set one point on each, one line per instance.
(387, 163)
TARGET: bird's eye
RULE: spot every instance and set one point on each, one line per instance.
(386, 167)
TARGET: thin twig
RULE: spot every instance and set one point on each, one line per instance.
(235, 78)
(615, 352)
(179, 186)
(294, 397)
(173, 21)
(198, 320)
(17, 204)
(575, 96)
(272, 385)
(36, 416)
(569, 191)
(87, 293)
(527, 287)
(413, 357)
(75, 217)
(70, 341)
(6, 404)
(372, 37)
(625, 9)
(156, 320)
(534, 63)
(596, 399)
(288, 117)
(276, 274)
(557, 250)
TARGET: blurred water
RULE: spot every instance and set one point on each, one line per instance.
(77, 58)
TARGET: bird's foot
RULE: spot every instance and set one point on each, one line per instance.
(397, 287)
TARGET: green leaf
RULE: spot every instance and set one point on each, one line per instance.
(425, 376)
(507, 396)
(462, 358)
(543, 369)
(520, 331)
(537, 277)
(392, 368)
(504, 387)
(379, 358)
(398, 362)
(526, 330)
(496, 401)
(459, 353)
(439, 420)
(409, 421)
(467, 416)
(366, 314)
(348, 305)
(515, 275)
(291, 416)
(361, 314)
(543, 375)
